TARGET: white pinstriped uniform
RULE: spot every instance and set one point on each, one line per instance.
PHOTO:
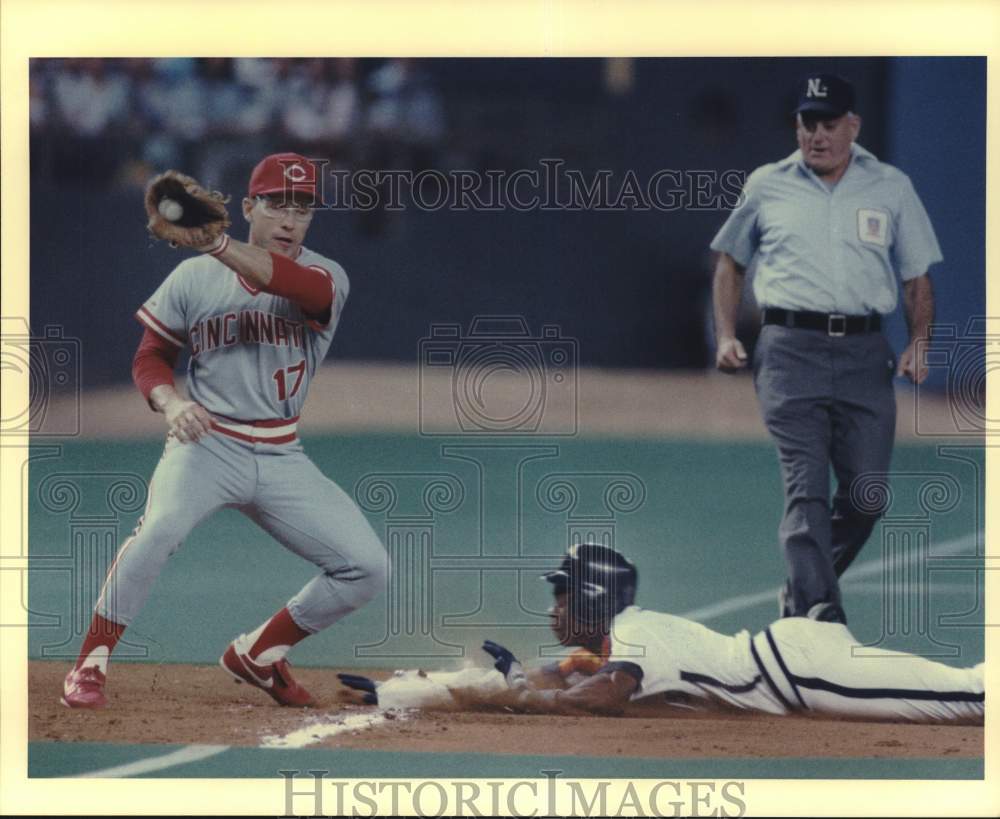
(794, 665)
(253, 356)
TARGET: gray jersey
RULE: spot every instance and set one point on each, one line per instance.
(253, 354)
(832, 250)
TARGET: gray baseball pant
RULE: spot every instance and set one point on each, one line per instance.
(280, 489)
(827, 401)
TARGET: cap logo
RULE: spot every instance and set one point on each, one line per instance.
(815, 88)
(295, 173)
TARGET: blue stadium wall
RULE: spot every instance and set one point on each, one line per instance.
(632, 287)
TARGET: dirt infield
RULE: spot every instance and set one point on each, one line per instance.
(365, 396)
(201, 704)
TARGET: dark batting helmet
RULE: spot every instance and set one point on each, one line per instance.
(599, 582)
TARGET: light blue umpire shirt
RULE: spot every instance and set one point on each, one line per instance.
(831, 250)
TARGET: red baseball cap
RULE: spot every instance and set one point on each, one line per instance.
(285, 173)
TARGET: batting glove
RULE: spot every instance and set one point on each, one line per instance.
(507, 664)
(363, 684)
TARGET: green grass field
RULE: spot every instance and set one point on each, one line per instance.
(699, 519)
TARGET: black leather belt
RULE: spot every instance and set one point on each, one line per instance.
(833, 324)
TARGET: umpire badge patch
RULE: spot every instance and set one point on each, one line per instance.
(873, 226)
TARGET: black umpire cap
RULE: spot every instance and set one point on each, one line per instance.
(825, 94)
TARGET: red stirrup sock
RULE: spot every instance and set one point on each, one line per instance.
(101, 639)
(275, 637)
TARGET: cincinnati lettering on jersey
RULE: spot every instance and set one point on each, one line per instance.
(245, 327)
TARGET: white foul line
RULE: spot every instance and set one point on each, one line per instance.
(318, 731)
(870, 568)
(194, 753)
(182, 756)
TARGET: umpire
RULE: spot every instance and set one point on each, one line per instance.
(831, 227)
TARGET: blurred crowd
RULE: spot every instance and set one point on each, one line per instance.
(115, 121)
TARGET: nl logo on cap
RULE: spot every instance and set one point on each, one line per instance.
(815, 88)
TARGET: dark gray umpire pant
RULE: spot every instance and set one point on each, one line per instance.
(827, 401)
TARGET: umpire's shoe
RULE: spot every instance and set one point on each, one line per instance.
(275, 678)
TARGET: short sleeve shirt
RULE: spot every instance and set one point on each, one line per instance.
(831, 250)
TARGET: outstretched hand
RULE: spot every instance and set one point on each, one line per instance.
(365, 686)
(504, 658)
(506, 663)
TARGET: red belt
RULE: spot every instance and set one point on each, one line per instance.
(273, 431)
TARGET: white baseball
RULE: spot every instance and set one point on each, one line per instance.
(170, 210)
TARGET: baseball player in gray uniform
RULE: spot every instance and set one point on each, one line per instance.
(830, 228)
(796, 665)
(258, 317)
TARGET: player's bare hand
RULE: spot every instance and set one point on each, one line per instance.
(912, 364)
(187, 420)
(730, 356)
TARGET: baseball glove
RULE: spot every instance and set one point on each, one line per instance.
(203, 218)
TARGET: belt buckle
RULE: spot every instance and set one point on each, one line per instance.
(832, 322)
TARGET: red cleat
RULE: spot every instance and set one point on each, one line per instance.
(84, 688)
(275, 679)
